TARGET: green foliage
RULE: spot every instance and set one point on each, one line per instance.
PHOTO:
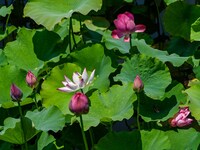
(48, 12)
(54, 39)
(179, 18)
(153, 73)
(104, 109)
(45, 120)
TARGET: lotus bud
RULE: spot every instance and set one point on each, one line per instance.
(137, 84)
(15, 93)
(79, 104)
(31, 79)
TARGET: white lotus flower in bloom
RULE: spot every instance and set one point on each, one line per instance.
(79, 81)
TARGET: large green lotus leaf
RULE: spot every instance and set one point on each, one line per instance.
(163, 56)
(11, 74)
(3, 60)
(195, 30)
(117, 44)
(21, 52)
(93, 57)
(49, 13)
(114, 105)
(120, 141)
(155, 139)
(50, 118)
(176, 89)
(182, 47)
(154, 110)
(47, 45)
(44, 140)
(12, 131)
(5, 10)
(179, 17)
(154, 74)
(193, 96)
(49, 93)
(184, 139)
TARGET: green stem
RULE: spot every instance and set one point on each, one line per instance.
(22, 125)
(72, 32)
(91, 137)
(158, 26)
(36, 104)
(70, 46)
(130, 41)
(138, 111)
(83, 133)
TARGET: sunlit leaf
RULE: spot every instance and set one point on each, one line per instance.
(93, 57)
(193, 95)
(44, 140)
(11, 74)
(195, 30)
(116, 44)
(154, 74)
(3, 60)
(12, 131)
(119, 141)
(179, 17)
(47, 119)
(48, 12)
(5, 10)
(21, 51)
(178, 139)
(110, 106)
(155, 139)
(163, 56)
(50, 94)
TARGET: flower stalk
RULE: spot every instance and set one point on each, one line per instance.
(22, 125)
(83, 133)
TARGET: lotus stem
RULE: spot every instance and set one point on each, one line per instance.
(83, 133)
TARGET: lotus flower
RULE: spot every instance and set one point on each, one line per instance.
(15, 93)
(79, 104)
(180, 119)
(79, 81)
(125, 26)
(138, 84)
(31, 79)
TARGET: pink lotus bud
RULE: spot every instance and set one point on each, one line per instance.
(31, 79)
(15, 93)
(137, 84)
(180, 119)
(79, 104)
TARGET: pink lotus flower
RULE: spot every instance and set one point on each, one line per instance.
(79, 81)
(180, 119)
(31, 79)
(125, 26)
(138, 84)
(79, 104)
